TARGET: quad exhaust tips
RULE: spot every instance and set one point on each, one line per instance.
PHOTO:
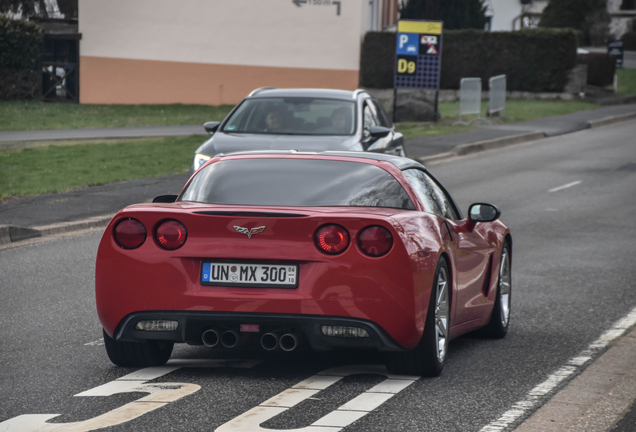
(269, 341)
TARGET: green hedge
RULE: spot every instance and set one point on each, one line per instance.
(533, 60)
(20, 84)
(20, 44)
(20, 58)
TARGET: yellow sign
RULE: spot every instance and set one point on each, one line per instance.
(405, 66)
(427, 27)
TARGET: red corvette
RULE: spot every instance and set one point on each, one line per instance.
(280, 248)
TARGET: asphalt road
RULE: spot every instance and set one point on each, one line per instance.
(569, 201)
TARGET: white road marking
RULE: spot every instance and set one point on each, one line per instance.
(351, 411)
(572, 366)
(98, 342)
(160, 395)
(565, 186)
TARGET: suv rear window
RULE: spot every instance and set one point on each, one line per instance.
(296, 182)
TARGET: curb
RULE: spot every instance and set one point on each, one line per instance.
(611, 120)
(465, 149)
(13, 234)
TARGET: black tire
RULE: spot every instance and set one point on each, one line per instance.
(497, 327)
(425, 359)
(137, 354)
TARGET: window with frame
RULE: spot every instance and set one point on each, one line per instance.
(432, 196)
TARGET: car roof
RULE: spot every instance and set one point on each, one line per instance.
(264, 92)
(400, 162)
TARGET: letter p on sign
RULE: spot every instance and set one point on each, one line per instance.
(403, 39)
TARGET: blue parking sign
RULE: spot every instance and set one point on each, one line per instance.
(408, 43)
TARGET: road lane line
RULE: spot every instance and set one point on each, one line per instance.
(565, 186)
(573, 365)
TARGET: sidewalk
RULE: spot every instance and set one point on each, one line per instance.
(599, 398)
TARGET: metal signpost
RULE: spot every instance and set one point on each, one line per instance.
(418, 57)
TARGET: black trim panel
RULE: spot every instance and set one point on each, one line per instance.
(193, 324)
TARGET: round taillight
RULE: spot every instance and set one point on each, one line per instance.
(171, 234)
(130, 233)
(375, 241)
(332, 239)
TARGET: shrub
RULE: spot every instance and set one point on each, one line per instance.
(456, 14)
(589, 16)
(20, 44)
(20, 58)
(533, 60)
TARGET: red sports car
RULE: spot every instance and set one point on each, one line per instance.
(275, 249)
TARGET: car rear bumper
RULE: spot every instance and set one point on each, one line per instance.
(193, 324)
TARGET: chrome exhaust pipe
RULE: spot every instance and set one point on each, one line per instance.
(230, 338)
(210, 338)
(289, 341)
(269, 341)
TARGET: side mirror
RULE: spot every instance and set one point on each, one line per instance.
(481, 212)
(211, 127)
(378, 132)
(165, 199)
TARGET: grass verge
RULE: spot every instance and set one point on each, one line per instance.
(33, 115)
(58, 168)
(518, 110)
(626, 82)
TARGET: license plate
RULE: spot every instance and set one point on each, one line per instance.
(250, 275)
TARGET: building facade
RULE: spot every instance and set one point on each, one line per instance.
(216, 52)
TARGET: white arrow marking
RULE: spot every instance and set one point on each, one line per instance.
(160, 395)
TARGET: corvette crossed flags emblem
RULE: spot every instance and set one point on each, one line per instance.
(251, 232)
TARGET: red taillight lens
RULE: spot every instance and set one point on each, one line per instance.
(130, 233)
(375, 241)
(332, 239)
(171, 234)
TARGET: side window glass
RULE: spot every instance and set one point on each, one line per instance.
(433, 198)
(369, 119)
(383, 118)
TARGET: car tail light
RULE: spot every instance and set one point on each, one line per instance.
(130, 233)
(332, 239)
(375, 241)
(171, 234)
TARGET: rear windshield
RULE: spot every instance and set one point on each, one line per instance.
(296, 182)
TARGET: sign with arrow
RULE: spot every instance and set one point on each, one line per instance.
(300, 3)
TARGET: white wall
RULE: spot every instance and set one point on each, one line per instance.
(241, 32)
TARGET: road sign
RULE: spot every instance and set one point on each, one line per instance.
(615, 48)
(418, 54)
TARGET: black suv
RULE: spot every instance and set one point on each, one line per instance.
(303, 120)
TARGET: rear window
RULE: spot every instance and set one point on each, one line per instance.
(296, 182)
